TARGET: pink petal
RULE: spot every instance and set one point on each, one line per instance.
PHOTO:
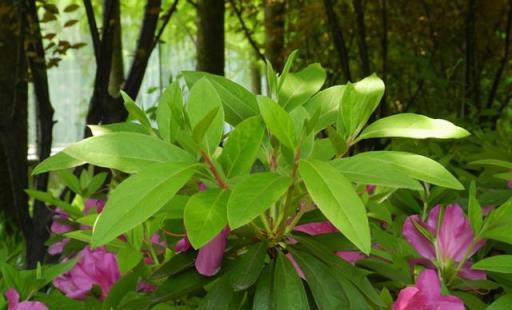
(467, 273)
(31, 305)
(59, 228)
(370, 189)
(486, 210)
(12, 298)
(509, 184)
(455, 234)
(429, 285)
(209, 258)
(145, 287)
(58, 247)
(432, 219)
(351, 256)
(416, 239)
(295, 265)
(317, 228)
(95, 205)
(449, 303)
(183, 245)
(405, 297)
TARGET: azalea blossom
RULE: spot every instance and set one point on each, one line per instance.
(95, 267)
(509, 184)
(453, 240)
(209, 258)
(13, 302)
(426, 295)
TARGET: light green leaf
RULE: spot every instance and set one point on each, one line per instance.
(253, 195)
(492, 162)
(338, 201)
(327, 292)
(126, 151)
(98, 130)
(504, 302)
(58, 161)
(298, 87)
(278, 122)
(205, 216)
(474, 210)
(202, 127)
(237, 101)
(128, 258)
(136, 112)
(286, 68)
(359, 170)
(328, 102)
(410, 125)
(415, 166)
(202, 100)
(286, 281)
(138, 198)
(498, 263)
(169, 114)
(357, 104)
(241, 147)
(498, 224)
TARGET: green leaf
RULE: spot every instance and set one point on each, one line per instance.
(271, 81)
(327, 102)
(357, 105)
(263, 294)
(286, 281)
(237, 101)
(58, 161)
(415, 166)
(286, 68)
(98, 130)
(253, 195)
(201, 128)
(504, 302)
(128, 258)
(338, 201)
(474, 210)
(248, 268)
(327, 292)
(169, 114)
(410, 125)
(241, 147)
(205, 216)
(221, 296)
(493, 162)
(179, 285)
(362, 171)
(498, 263)
(67, 178)
(138, 198)
(136, 112)
(126, 151)
(202, 100)
(498, 224)
(126, 284)
(300, 86)
(278, 121)
(49, 199)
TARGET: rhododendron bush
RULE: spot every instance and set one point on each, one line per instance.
(230, 200)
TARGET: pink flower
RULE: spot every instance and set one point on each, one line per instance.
(453, 241)
(370, 189)
(317, 228)
(91, 204)
(58, 246)
(426, 295)
(209, 258)
(13, 302)
(509, 184)
(95, 267)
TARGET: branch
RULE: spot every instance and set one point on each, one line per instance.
(337, 37)
(246, 31)
(166, 19)
(91, 20)
(503, 61)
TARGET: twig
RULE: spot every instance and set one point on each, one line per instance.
(246, 31)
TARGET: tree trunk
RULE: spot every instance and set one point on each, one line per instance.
(13, 116)
(41, 219)
(210, 36)
(471, 78)
(338, 39)
(361, 38)
(274, 32)
(117, 72)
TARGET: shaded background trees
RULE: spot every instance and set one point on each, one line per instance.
(447, 59)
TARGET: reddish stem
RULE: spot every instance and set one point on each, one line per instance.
(214, 171)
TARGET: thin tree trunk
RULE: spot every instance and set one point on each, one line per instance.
(382, 110)
(503, 62)
(338, 39)
(210, 36)
(42, 216)
(471, 82)
(116, 79)
(274, 32)
(361, 37)
(13, 118)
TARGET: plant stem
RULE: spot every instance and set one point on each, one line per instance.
(214, 171)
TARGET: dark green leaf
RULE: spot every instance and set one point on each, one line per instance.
(248, 268)
(288, 291)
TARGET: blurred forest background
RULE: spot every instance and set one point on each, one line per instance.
(64, 62)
